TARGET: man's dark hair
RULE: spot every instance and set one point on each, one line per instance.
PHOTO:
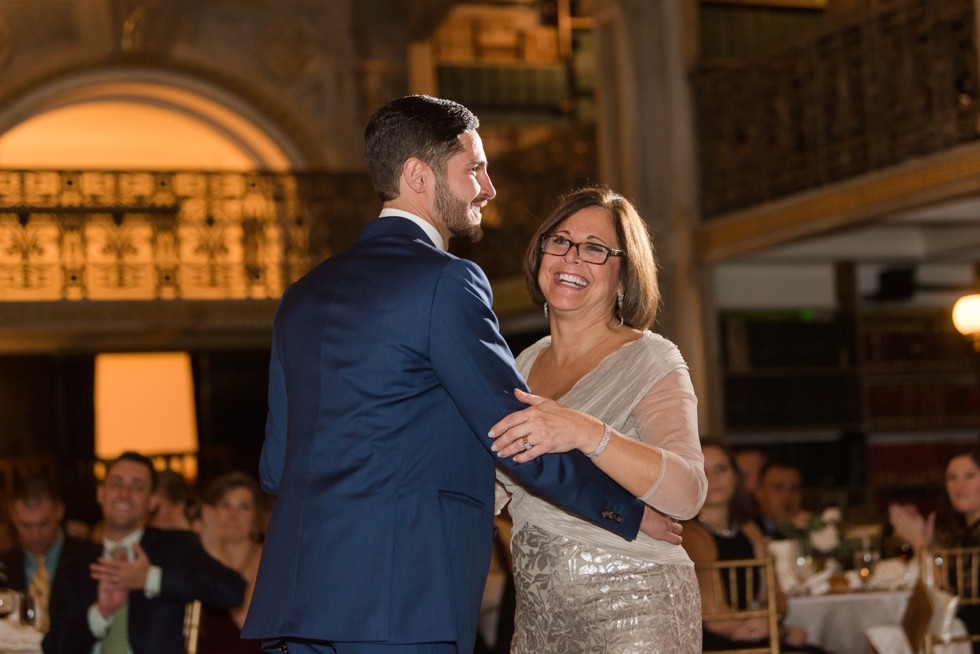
(135, 457)
(34, 489)
(174, 487)
(414, 126)
(778, 463)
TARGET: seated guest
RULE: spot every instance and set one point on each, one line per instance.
(779, 497)
(723, 531)
(36, 512)
(230, 521)
(955, 523)
(133, 597)
(173, 500)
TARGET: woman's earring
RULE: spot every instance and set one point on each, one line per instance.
(545, 309)
(619, 306)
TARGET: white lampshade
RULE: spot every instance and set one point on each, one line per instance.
(966, 314)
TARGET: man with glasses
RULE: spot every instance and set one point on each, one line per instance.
(387, 371)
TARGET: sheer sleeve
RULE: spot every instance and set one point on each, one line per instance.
(667, 418)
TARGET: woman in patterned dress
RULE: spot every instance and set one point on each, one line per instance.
(604, 385)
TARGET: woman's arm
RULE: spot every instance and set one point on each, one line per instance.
(665, 468)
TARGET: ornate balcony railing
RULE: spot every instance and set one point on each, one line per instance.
(884, 87)
(107, 235)
(206, 235)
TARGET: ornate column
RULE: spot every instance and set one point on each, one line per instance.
(648, 151)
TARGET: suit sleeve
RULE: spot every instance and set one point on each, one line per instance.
(71, 595)
(273, 455)
(477, 369)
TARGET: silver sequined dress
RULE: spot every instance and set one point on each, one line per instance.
(581, 589)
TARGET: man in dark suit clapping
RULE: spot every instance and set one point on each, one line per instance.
(132, 598)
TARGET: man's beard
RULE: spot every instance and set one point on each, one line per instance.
(455, 213)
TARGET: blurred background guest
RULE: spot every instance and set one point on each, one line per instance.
(133, 598)
(36, 512)
(779, 496)
(231, 517)
(174, 500)
(724, 531)
(955, 522)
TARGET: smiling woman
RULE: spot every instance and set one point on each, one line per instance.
(605, 385)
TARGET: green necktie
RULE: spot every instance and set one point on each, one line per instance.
(116, 641)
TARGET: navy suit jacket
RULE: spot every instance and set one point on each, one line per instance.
(387, 372)
(156, 624)
(13, 561)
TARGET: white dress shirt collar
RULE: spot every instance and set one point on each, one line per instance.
(427, 227)
(127, 542)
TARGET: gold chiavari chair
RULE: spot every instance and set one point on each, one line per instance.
(955, 570)
(729, 592)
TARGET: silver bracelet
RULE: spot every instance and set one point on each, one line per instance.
(602, 444)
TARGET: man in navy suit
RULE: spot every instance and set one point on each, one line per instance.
(132, 599)
(387, 371)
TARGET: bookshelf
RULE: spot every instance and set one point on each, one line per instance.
(870, 406)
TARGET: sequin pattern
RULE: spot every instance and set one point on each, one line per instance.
(574, 598)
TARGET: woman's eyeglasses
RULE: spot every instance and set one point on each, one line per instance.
(587, 252)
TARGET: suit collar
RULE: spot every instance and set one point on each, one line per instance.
(394, 226)
(426, 226)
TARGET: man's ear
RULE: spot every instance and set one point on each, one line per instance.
(416, 174)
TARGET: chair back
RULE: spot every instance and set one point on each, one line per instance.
(192, 625)
(730, 590)
(956, 571)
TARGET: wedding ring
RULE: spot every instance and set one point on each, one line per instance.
(527, 445)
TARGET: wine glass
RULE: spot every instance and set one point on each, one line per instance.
(865, 560)
(803, 564)
(28, 610)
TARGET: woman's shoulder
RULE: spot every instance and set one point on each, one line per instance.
(659, 347)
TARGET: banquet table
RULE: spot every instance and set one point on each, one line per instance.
(836, 621)
(16, 638)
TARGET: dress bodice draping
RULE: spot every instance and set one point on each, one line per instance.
(642, 390)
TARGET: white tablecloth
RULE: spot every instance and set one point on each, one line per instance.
(836, 622)
(16, 638)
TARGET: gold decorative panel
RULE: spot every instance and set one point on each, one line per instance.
(103, 235)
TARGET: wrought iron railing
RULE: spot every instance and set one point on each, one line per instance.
(883, 87)
(109, 235)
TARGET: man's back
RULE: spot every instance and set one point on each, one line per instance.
(384, 490)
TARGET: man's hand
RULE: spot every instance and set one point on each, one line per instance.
(660, 527)
(111, 593)
(120, 572)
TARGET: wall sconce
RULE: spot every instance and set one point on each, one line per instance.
(966, 318)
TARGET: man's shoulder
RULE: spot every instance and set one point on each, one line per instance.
(168, 536)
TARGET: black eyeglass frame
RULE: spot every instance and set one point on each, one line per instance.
(567, 243)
